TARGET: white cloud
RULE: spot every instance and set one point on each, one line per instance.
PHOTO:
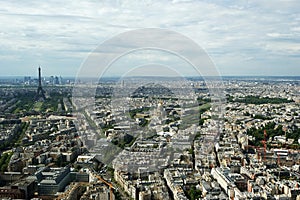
(70, 29)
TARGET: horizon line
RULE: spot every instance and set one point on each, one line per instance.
(118, 76)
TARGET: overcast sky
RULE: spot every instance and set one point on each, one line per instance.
(242, 37)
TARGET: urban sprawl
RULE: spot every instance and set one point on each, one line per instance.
(158, 139)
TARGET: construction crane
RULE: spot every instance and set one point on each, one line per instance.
(278, 159)
(66, 194)
(111, 187)
(258, 150)
(264, 143)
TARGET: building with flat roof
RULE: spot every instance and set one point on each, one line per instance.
(11, 193)
(53, 180)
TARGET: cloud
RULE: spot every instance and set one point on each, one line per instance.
(47, 31)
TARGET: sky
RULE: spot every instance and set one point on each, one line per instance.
(258, 37)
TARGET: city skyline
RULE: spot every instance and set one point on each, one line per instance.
(241, 38)
(150, 138)
(160, 100)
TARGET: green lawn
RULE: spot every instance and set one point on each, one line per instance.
(38, 106)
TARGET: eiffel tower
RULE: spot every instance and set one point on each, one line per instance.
(40, 96)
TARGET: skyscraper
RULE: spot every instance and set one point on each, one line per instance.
(40, 92)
